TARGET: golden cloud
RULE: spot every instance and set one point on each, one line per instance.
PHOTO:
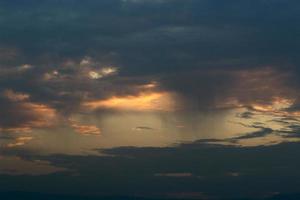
(153, 101)
(85, 129)
(20, 141)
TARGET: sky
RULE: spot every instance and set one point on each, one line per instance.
(149, 99)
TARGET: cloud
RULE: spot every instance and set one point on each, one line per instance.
(59, 59)
(175, 175)
(8, 54)
(86, 129)
(22, 115)
(143, 128)
(211, 55)
(143, 102)
(261, 133)
(13, 96)
(106, 71)
(16, 166)
(188, 168)
(20, 141)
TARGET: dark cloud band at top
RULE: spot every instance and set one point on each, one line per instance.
(208, 52)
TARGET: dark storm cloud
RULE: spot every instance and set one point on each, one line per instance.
(155, 36)
(198, 49)
(215, 171)
(260, 133)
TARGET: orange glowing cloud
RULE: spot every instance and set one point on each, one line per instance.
(85, 129)
(278, 107)
(277, 104)
(15, 96)
(24, 114)
(39, 116)
(263, 89)
(154, 101)
(20, 141)
(44, 115)
(24, 129)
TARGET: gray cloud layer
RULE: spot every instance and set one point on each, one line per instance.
(198, 49)
(207, 171)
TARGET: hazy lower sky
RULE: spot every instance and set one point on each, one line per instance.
(149, 99)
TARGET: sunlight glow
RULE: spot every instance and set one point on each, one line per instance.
(155, 101)
(276, 105)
